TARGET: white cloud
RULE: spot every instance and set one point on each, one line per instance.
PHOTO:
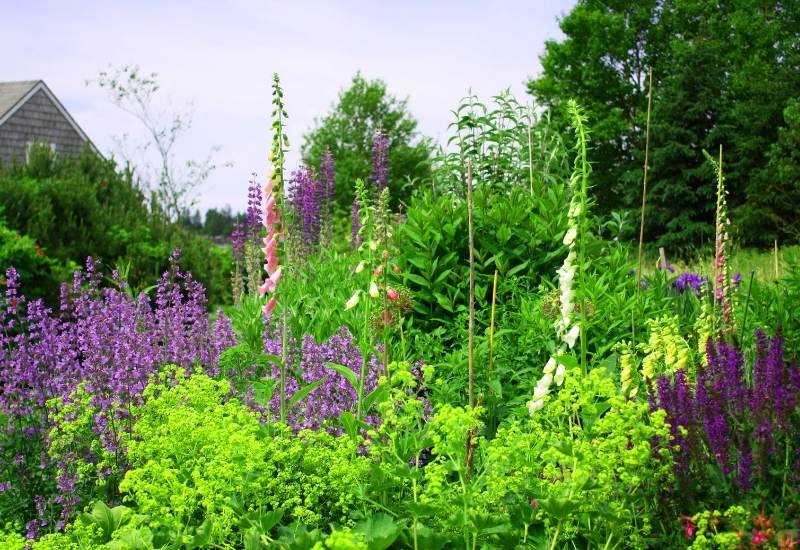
(221, 56)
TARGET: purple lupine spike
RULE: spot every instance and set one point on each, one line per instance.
(327, 176)
(238, 239)
(380, 161)
(254, 210)
(307, 196)
(355, 227)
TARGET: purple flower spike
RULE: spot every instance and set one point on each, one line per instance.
(380, 161)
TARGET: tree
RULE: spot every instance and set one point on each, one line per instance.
(349, 130)
(723, 74)
(173, 184)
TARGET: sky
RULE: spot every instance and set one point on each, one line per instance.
(220, 56)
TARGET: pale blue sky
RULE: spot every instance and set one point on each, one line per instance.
(221, 55)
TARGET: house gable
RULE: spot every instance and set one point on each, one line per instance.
(37, 116)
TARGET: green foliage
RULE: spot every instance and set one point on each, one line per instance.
(506, 144)
(349, 130)
(75, 208)
(34, 266)
(430, 253)
(586, 461)
(738, 100)
(200, 459)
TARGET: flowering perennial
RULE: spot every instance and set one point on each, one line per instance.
(108, 343)
(726, 420)
(308, 201)
(254, 210)
(323, 405)
(722, 279)
(327, 177)
(271, 265)
(380, 161)
(567, 327)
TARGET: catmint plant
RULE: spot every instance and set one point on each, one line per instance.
(95, 354)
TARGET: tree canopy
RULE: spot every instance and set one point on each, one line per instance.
(723, 74)
(349, 130)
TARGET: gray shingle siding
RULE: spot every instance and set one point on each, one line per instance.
(40, 120)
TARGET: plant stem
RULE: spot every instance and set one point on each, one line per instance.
(490, 391)
(530, 153)
(471, 328)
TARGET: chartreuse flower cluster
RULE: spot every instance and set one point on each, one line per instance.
(588, 453)
(567, 327)
(194, 451)
(666, 350)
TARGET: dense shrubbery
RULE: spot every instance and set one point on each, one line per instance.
(76, 208)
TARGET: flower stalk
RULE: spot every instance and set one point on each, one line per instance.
(568, 329)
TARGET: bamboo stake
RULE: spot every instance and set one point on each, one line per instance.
(775, 255)
(644, 179)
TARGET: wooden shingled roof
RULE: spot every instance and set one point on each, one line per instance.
(13, 93)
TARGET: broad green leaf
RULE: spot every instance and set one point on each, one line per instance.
(346, 372)
(304, 391)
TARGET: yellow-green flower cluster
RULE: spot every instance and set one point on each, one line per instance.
(704, 327)
(627, 364)
(666, 351)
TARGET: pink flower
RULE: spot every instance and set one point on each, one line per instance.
(689, 527)
(392, 294)
(758, 537)
(271, 265)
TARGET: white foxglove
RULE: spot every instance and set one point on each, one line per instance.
(572, 336)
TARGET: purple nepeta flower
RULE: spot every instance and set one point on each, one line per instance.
(335, 395)
(110, 344)
(380, 161)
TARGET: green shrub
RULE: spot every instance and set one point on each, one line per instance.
(75, 208)
(199, 455)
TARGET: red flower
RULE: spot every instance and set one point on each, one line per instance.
(689, 527)
(392, 294)
(758, 537)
